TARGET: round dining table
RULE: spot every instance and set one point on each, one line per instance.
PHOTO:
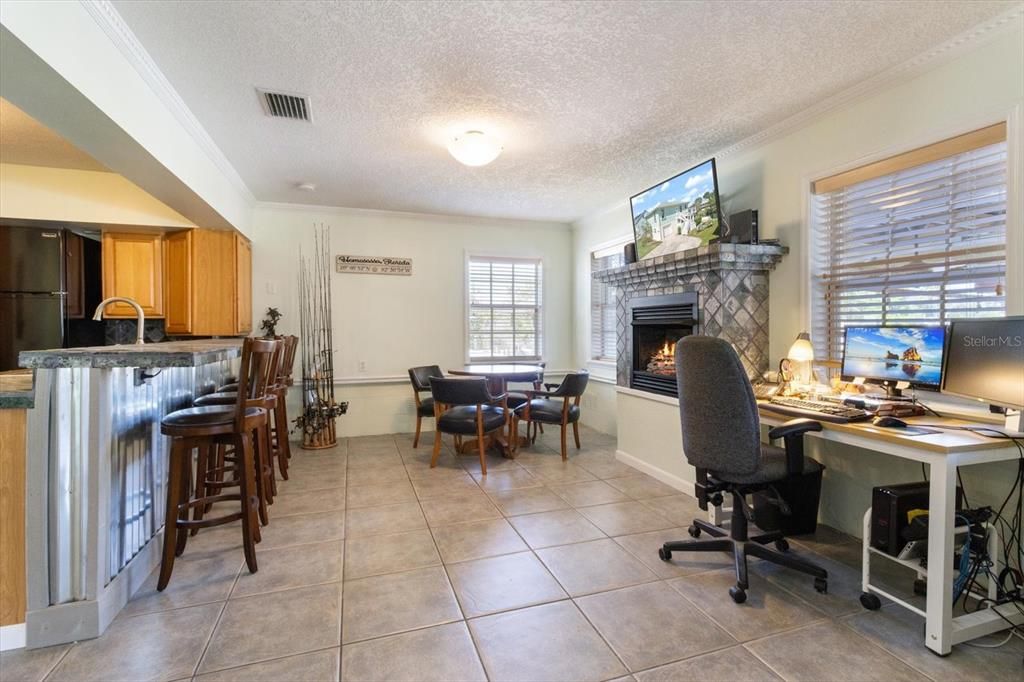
(498, 376)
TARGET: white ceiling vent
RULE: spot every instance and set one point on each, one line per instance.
(285, 105)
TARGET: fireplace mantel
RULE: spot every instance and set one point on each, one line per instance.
(714, 257)
(731, 283)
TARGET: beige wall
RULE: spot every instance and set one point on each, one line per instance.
(38, 193)
(973, 89)
(385, 324)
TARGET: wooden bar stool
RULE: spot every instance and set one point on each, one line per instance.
(275, 401)
(265, 450)
(204, 429)
(281, 446)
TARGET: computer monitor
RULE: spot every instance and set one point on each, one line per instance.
(890, 355)
(985, 361)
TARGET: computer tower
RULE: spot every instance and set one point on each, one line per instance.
(742, 228)
(890, 505)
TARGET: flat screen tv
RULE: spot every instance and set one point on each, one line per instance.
(680, 213)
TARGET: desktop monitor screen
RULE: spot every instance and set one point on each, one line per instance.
(887, 354)
(985, 361)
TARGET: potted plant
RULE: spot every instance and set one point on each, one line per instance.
(269, 323)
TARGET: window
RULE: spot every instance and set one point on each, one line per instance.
(602, 304)
(916, 239)
(505, 309)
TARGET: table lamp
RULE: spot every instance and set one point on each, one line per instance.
(801, 354)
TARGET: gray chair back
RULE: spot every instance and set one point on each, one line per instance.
(462, 391)
(717, 409)
(421, 376)
(573, 384)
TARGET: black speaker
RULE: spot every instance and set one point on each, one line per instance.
(742, 228)
(630, 252)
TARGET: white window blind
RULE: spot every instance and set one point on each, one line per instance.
(505, 309)
(915, 246)
(602, 305)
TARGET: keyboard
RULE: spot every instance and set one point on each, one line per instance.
(816, 409)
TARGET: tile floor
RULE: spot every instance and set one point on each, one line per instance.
(375, 567)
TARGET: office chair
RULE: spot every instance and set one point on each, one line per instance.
(722, 439)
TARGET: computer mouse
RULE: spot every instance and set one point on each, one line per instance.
(889, 422)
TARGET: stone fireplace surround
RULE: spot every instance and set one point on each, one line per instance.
(731, 282)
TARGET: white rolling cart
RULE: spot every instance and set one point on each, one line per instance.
(963, 627)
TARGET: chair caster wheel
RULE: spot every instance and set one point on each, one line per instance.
(782, 545)
(821, 585)
(738, 594)
(664, 554)
(870, 601)
(694, 531)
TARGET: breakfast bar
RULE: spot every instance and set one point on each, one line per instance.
(96, 473)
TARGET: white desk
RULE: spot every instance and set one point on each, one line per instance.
(943, 452)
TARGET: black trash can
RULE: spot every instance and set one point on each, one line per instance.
(801, 494)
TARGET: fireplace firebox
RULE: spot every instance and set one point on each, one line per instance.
(658, 322)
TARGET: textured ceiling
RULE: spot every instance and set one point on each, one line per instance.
(594, 100)
(26, 141)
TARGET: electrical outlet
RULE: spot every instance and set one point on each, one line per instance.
(271, 287)
(362, 365)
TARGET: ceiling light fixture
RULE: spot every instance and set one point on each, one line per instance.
(306, 186)
(474, 148)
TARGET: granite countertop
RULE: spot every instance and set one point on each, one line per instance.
(170, 354)
(17, 389)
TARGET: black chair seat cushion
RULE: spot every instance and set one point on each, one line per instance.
(218, 398)
(205, 416)
(231, 386)
(772, 468)
(462, 420)
(426, 408)
(548, 411)
(515, 399)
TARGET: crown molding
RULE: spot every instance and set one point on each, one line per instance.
(410, 215)
(114, 26)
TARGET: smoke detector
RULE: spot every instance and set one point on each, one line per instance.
(277, 104)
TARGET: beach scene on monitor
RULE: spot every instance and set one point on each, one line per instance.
(679, 214)
(895, 353)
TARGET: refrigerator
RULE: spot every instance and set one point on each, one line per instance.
(32, 293)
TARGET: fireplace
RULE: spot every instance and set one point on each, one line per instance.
(658, 322)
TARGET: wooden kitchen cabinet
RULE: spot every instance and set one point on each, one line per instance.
(208, 275)
(133, 267)
(243, 291)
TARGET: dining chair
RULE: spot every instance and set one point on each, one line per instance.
(517, 398)
(464, 407)
(543, 407)
(420, 378)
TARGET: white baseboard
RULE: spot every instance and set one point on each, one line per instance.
(12, 637)
(680, 484)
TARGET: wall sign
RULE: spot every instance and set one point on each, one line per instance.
(374, 265)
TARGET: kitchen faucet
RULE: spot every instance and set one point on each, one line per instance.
(138, 311)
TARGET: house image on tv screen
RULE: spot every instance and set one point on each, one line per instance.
(679, 214)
